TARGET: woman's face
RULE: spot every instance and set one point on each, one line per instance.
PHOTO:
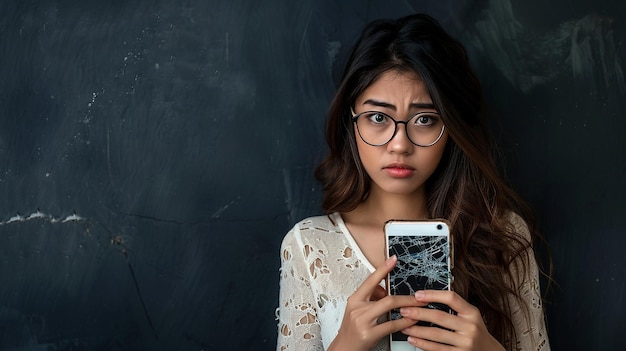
(398, 167)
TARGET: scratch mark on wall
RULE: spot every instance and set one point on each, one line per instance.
(227, 50)
(288, 193)
(38, 215)
(218, 213)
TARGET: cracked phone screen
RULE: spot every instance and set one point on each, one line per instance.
(422, 264)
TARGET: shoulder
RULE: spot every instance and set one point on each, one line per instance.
(323, 222)
(312, 229)
(523, 263)
(518, 226)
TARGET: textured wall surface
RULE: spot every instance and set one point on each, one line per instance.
(154, 153)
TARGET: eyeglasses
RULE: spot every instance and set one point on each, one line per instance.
(377, 128)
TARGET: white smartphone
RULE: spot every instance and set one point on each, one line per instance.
(424, 253)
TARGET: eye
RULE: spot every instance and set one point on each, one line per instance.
(426, 119)
(377, 118)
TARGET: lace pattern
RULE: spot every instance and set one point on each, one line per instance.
(530, 329)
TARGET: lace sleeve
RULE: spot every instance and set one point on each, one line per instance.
(298, 325)
(530, 328)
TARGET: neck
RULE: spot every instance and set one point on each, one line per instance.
(380, 207)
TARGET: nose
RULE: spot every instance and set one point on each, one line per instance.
(400, 142)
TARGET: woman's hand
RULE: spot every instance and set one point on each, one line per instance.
(360, 329)
(467, 330)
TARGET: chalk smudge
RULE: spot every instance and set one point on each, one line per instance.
(38, 215)
(584, 48)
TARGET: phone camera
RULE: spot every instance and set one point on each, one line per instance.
(439, 226)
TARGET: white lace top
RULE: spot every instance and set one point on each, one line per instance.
(321, 266)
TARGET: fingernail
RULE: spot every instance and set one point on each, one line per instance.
(404, 311)
(420, 295)
(391, 260)
(410, 340)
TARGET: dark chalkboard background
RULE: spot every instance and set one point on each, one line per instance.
(154, 153)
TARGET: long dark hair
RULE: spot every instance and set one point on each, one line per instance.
(467, 188)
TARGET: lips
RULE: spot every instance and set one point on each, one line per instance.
(399, 170)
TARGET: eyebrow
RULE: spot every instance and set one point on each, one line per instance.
(393, 107)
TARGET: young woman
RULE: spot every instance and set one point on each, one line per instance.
(407, 141)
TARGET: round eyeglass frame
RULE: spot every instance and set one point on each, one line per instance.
(355, 117)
